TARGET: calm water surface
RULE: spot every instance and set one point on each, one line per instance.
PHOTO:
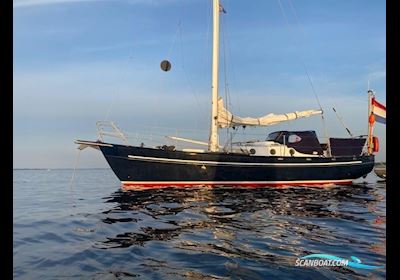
(94, 230)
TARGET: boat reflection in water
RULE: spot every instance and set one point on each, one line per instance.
(240, 232)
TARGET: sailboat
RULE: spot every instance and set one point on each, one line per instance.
(284, 158)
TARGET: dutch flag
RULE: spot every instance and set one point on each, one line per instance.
(379, 111)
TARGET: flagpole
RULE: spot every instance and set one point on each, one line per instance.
(370, 121)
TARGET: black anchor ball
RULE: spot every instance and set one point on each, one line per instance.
(165, 65)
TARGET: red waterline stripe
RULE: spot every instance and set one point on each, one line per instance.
(148, 185)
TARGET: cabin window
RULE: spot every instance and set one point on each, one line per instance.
(294, 138)
(276, 137)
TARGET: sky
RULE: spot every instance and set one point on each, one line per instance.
(76, 62)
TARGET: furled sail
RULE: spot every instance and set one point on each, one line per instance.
(226, 119)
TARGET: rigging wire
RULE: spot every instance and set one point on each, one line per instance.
(114, 96)
(226, 88)
(340, 118)
(111, 105)
(225, 20)
(227, 54)
(191, 89)
(306, 70)
(123, 77)
(175, 39)
(183, 62)
(206, 58)
(303, 63)
(178, 35)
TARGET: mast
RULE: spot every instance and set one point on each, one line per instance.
(213, 141)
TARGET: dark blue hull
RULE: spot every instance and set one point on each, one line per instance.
(137, 166)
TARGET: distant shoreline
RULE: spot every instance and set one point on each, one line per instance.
(89, 168)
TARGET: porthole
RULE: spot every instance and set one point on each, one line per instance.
(272, 151)
(291, 151)
(252, 151)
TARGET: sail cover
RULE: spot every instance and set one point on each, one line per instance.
(226, 119)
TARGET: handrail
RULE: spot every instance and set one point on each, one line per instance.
(116, 132)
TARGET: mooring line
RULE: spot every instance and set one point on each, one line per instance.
(73, 179)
